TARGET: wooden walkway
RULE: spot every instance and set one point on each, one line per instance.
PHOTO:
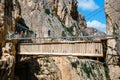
(64, 48)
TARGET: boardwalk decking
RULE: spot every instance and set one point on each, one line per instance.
(68, 48)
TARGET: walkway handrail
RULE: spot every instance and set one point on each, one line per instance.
(69, 37)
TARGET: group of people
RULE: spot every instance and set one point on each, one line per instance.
(20, 34)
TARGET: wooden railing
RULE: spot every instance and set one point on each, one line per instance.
(68, 48)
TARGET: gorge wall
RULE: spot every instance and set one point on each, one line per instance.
(57, 16)
(60, 18)
(7, 48)
(1, 20)
(112, 9)
(38, 16)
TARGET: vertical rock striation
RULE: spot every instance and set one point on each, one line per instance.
(112, 9)
(1, 20)
(7, 62)
(60, 17)
(45, 18)
(7, 55)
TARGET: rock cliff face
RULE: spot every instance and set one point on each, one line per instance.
(7, 48)
(60, 17)
(62, 68)
(94, 32)
(45, 18)
(1, 20)
(7, 61)
(112, 9)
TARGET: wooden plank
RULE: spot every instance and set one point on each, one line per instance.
(93, 47)
(98, 49)
(76, 48)
(90, 48)
(40, 48)
(84, 48)
(52, 49)
(56, 48)
(45, 48)
(101, 48)
(64, 50)
(60, 54)
(72, 48)
(62, 42)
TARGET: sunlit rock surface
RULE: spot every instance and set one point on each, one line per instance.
(112, 9)
(61, 18)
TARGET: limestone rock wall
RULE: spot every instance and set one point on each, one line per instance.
(1, 20)
(7, 53)
(112, 9)
(58, 16)
(61, 18)
(62, 68)
(7, 62)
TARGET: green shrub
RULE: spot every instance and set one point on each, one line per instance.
(47, 11)
(49, 20)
